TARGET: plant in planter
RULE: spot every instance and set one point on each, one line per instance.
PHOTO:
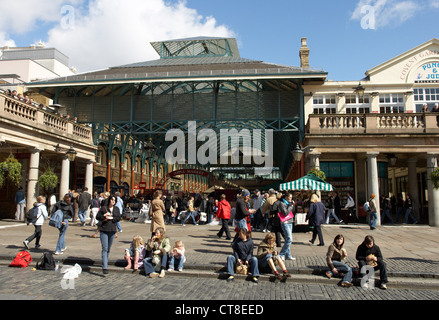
(434, 176)
(10, 171)
(318, 173)
(48, 180)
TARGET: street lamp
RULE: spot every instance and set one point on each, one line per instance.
(392, 159)
(297, 153)
(71, 153)
(359, 90)
(150, 149)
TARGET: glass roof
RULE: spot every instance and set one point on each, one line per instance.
(196, 47)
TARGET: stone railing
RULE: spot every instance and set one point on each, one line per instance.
(395, 123)
(34, 117)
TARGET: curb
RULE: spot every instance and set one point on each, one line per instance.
(400, 280)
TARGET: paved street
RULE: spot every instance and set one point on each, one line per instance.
(411, 254)
(43, 285)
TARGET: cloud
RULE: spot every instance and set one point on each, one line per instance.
(387, 12)
(112, 32)
(5, 40)
(24, 15)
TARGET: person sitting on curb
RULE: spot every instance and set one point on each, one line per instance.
(135, 254)
(160, 247)
(369, 254)
(267, 255)
(243, 255)
(334, 257)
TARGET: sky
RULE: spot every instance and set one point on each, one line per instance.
(345, 37)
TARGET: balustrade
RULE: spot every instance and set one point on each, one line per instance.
(32, 116)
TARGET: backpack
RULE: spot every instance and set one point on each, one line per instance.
(46, 262)
(32, 215)
(366, 206)
(56, 219)
(21, 260)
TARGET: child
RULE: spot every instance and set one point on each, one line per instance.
(41, 216)
(135, 254)
(177, 255)
(268, 255)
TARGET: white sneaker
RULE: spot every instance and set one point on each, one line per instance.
(162, 273)
(26, 244)
(291, 258)
(57, 253)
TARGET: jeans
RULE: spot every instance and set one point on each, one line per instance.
(408, 214)
(149, 268)
(61, 245)
(386, 213)
(106, 242)
(373, 219)
(176, 261)
(341, 267)
(118, 226)
(82, 215)
(331, 212)
(231, 260)
(287, 228)
(190, 214)
(265, 222)
(242, 224)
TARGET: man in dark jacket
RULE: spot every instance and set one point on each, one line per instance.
(243, 210)
(84, 202)
(369, 254)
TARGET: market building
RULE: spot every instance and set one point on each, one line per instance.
(368, 136)
(371, 136)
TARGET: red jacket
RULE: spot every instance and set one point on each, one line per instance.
(224, 209)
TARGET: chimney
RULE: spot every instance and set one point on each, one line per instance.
(304, 55)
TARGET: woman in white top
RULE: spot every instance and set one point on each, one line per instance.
(41, 216)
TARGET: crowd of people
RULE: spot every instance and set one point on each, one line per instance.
(26, 99)
(271, 213)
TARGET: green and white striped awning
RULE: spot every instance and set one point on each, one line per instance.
(308, 182)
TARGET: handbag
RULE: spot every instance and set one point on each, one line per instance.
(284, 218)
(242, 269)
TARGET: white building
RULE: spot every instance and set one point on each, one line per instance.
(20, 65)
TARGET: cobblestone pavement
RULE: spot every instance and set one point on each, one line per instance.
(48, 285)
(411, 252)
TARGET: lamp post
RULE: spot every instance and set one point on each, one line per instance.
(70, 153)
(150, 149)
(297, 153)
(360, 90)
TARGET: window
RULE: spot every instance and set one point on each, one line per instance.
(324, 104)
(392, 103)
(99, 157)
(113, 160)
(355, 110)
(355, 104)
(430, 96)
